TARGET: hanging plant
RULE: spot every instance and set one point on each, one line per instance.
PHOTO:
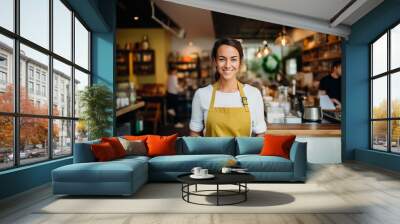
(271, 63)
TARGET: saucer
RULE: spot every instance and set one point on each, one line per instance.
(208, 176)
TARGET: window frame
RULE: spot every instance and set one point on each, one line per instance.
(16, 114)
(388, 74)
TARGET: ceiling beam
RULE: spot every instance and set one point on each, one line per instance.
(346, 11)
(268, 15)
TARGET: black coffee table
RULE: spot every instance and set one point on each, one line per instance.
(238, 179)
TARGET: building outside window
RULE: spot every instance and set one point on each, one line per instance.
(30, 87)
(30, 72)
(3, 72)
(385, 96)
(34, 76)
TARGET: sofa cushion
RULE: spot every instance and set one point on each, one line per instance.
(257, 163)
(277, 145)
(112, 171)
(185, 163)
(116, 145)
(206, 145)
(161, 145)
(134, 147)
(249, 145)
(103, 152)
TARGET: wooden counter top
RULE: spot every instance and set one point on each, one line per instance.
(130, 108)
(313, 130)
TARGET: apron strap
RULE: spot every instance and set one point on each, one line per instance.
(241, 92)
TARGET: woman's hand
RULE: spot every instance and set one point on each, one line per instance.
(260, 134)
(195, 133)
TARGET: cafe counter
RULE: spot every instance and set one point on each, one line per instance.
(323, 140)
(315, 130)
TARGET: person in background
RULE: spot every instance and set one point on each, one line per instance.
(331, 84)
(227, 107)
(173, 89)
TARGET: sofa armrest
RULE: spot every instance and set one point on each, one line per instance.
(83, 152)
(298, 155)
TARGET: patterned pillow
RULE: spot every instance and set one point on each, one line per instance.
(135, 147)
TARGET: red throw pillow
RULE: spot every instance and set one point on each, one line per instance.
(103, 151)
(136, 137)
(277, 145)
(116, 145)
(161, 145)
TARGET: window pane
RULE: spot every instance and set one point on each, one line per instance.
(379, 55)
(34, 72)
(62, 89)
(6, 74)
(7, 14)
(395, 94)
(395, 47)
(81, 45)
(6, 142)
(395, 138)
(62, 138)
(81, 81)
(62, 29)
(81, 131)
(379, 135)
(379, 98)
(35, 21)
(33, 139)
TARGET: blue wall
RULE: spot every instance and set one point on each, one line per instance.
(103, 53)
(356, 103)
(100, 16)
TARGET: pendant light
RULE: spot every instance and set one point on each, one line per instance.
(283, 39)
(265, 50)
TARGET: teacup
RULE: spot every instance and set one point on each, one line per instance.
(196, 170)
(203, 172)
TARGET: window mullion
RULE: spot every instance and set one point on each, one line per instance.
(389, 106)
(50, 81)
(16, 70)
(73, 82)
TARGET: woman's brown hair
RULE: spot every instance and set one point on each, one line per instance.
(226, 41)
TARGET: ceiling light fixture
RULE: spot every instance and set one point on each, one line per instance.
(283, 39)
(265, 50)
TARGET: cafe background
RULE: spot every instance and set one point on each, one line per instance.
(284, 63)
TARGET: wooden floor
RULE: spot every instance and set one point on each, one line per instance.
(377, 188)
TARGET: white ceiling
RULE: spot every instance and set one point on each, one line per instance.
(196, 22)
(313, 15)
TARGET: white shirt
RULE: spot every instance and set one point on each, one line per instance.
(201, 104)
(173, 86)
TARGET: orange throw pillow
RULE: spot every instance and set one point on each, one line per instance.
(116, 145)
(161, 145)
(103, 152)
(136, 137)
(277, 145)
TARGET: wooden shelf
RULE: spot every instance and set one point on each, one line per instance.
(130, 108)
(319, 58)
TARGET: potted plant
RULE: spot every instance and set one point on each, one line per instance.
(96, 103)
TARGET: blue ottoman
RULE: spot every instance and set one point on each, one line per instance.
(119, 177)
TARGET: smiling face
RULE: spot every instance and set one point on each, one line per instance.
(227, 62)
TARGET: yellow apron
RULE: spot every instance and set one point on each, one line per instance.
(228, 121)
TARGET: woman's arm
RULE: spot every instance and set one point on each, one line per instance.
(196, 121)
(260, 126)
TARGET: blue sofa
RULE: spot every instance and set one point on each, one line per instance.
(125, 176)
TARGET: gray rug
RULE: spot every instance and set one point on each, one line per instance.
(166, 198)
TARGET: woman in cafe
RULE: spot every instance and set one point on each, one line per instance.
(227, 107)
